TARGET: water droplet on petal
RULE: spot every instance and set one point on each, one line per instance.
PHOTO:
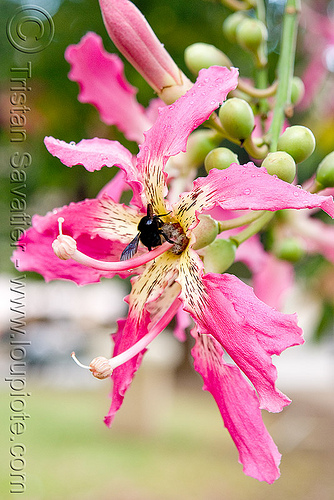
(247, 191)
(72, 143)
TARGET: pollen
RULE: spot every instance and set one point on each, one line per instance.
(100, 368)
(175, 233)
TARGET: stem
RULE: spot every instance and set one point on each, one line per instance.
(285, 69)
(238, 4)
(240, 221)
(258, 152)
(260, 92)
(253, 228)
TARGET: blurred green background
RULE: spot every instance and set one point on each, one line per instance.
(182, 452)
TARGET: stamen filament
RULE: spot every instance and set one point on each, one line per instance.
(125, 265)
(147, 339)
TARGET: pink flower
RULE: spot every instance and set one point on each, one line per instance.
(101, 79)
(228, 316)
(135, 39)
(272, 278)
(313, 235)
(319, 43)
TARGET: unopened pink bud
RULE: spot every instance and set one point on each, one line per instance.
(135, 39)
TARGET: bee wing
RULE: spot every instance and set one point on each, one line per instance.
(131, 249)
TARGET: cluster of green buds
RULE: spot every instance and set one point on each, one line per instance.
(253, 117)
(252, 121)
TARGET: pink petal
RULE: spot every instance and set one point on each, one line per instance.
(318, 236)
(129, 332)
(244, 187)
(95, 153)
(272, 277)
(249, 330)
(35, 253)
(239, 408)
(170, 132)
(115, 188)
(273, 280)
(101, 79)
(152, 111)
(83, 222)
(183, 321)
(146, 307)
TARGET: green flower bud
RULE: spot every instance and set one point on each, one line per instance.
(219, 256)
(281, 164)
(290, 249)
(204, 55)
(205, 232)
(251, 33)
(230, 26)
(298, 141)
(325, 172)
(297, 90)
(237, 118)
(200, 143)
(220, 158)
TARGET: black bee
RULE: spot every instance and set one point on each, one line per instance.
(150, 230)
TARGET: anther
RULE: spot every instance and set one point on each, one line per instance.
(99, 366)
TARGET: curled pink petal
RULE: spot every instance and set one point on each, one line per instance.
(95, 153)
(101, 79)
(239, 407)
(272, 277)
(249, 330)
(171, 130)
(245, 187)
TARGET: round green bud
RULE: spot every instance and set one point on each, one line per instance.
(219, 256)
(290, 249)
(200, 143)
(251, 33)
(204, 55)
(298, 141)
(230, 26)
(325, 172)
(281, 164)
(205, 232)
(220, 158)
(297, 90)
(237, 118)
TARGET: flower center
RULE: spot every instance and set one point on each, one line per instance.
(175, 233)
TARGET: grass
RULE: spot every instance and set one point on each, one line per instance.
(71, 454)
